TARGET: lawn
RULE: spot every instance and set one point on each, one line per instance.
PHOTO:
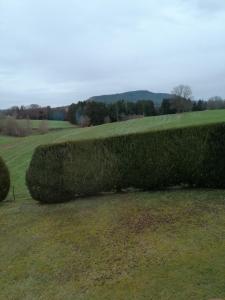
(159, 245)
(51, 124)
(146, 245)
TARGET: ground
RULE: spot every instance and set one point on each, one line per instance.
(159, 245)
(139, 245)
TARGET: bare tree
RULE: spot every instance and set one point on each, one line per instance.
(179, 104)
(85, 121)
(107, 119)
(215, 102)
(43, 127)
(183, 91)
(1, 121)
(33, 106)
(13, 128)
(28, 126)
(215, 98)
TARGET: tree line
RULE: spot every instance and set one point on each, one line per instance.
(96, 113)
(37, 112)
(88, 113)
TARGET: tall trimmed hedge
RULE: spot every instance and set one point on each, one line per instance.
(4, 180)
(193, 156)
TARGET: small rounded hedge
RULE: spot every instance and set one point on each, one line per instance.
(4, 180)
(193, 156)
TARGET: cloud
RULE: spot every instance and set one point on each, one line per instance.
(210, 6)
(56, 52)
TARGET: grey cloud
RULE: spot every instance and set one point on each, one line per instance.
(209, 5)
(60, 51)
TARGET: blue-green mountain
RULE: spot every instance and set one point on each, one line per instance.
(133, 96)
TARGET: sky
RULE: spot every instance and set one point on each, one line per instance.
(55, 52)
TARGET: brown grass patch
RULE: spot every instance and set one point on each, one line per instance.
(142, 219)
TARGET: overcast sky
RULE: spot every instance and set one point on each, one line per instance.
(59, 51)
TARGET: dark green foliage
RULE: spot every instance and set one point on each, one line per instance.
(75, 112)
(96, 112)
(100, 113)
(165, 107)
(150, 160)
(180, 104)
(176, 105)
(145, 108)
(4, 180)
(61, 172)
(214, 160)
(199, 105)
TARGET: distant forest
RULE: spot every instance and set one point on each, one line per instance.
(87, 113)
(90, 112)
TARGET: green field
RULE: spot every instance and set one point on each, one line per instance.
(17, 152)
(51, 124)
(142, 245)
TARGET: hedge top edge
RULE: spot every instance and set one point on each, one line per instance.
(139, 133)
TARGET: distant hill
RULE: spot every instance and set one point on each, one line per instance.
(134, 96)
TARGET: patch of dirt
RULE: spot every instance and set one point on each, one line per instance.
(137, 222)
(137, 219)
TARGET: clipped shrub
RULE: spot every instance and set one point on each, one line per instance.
(191, 156)
(94, 169)
(213, 166)
(4, 180)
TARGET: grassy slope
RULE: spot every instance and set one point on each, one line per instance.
(161, 245)
(17, 152)
(149, 123)
(51, 124)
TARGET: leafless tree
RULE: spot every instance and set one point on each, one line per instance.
(33, 106)
(107, 119)
(85, 121)
(183, 91)
(43, 127)
(13, 128)
(1, 121)
(28, 125)
(179, 104)
(215, 102)
(215, 98)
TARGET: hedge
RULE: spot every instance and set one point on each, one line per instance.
(193, 156)
(4, 180)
